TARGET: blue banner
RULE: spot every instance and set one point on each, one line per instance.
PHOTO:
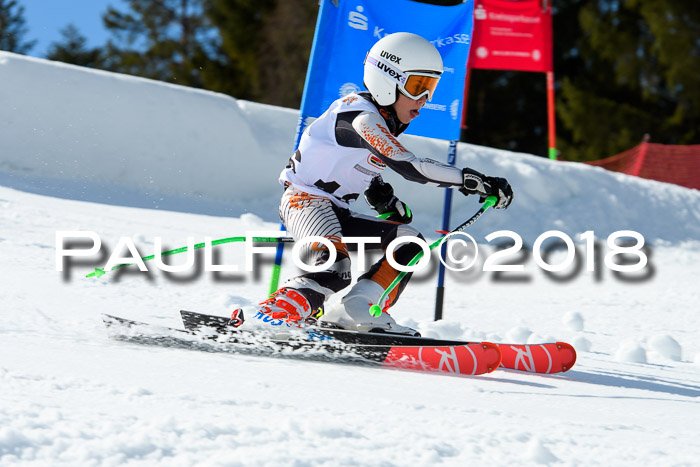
(347, 29)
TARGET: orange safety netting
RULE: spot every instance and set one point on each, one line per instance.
(665, 163)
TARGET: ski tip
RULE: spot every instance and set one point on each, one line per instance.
(495, 356)
(567, 354)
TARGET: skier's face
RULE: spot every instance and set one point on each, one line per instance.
(407, 109)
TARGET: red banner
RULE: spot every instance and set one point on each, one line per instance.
(512, 35)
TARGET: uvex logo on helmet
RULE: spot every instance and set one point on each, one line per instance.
(391, 57)
(386, 68)
(391, 72)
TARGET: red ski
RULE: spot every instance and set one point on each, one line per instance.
(417, 353)
(469, 359)
(403, 352)
(538, 358)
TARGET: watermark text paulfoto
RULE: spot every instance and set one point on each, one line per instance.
(460, 249)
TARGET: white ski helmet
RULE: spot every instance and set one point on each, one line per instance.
(402, 61)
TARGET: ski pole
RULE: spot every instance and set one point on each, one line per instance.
(375, 309)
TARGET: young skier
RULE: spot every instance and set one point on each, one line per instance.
(340, 156)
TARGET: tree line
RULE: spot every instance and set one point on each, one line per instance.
(623, 68)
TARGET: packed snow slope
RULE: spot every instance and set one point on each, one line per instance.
(127, 157)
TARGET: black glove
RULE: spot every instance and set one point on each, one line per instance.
(380, 196)
(474, 182)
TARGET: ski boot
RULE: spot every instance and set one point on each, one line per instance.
(353, 312)
(286, 308)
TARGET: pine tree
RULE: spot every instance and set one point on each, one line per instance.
(239, 24)
(167, 40)
(675, 26)
(251, 49)
(287, 32)
(72, 49)
(12, 28)
(639, 65)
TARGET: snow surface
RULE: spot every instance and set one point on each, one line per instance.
(122, 156)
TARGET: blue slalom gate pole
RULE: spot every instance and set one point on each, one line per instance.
(440, 294)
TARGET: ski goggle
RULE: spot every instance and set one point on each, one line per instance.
(417, 85)
(412, 84)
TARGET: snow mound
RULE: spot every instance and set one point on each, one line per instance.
(631, 351)
(535, 338)
(666, 346)
(518, 335)
(443, 329)
(573, 320)
(538, 453)
(581, 344)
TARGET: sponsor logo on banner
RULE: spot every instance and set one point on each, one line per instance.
(348, 88)
(505, 17)
(357, 20)
(481, 14)
(431, 106)
(512, 36)
(460, 38)
(454, 109)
